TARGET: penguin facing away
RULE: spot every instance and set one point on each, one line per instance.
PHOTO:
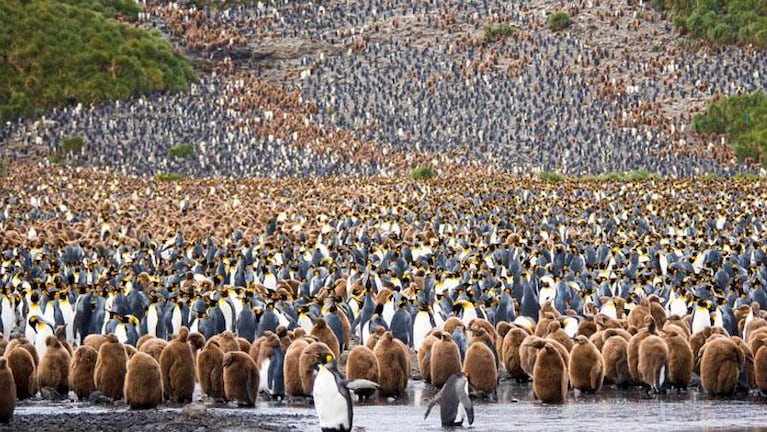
(454, 402)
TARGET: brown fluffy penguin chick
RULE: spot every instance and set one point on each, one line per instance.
(760, 369)
(633, 348)
(310, 355)
(680, 361)
(210, 370)
(451, 324)
(95, 341)
(61, 335)
(109, 375)
(362, 364)
(244, 344)
(549, 375)
(653, 362)
(153, 347)
(7, 393)
(291, 368)
(587, 327)
(228, 343)
(178, 368)
(510, 354)
(26, 345)
(22, 365)
(424, 355)
(3, 345)
(528, 352)
(556, 333)
(395, 366)
(720, 363)
(322, 332)
(142, 340)
(586, 366)
(638, 314)
(479, 365)
(81, 372)
(484, 324)
(615, 358)
(445, 360)
(241, 378)
(54, 367)
(542, 328)
(676, 322)
(143, 382)
(129, 351)
(372, 340)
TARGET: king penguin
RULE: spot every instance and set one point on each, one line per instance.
(332, 399)
(454, 402)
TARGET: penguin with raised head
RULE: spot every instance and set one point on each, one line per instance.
(454, 402)
(423, 323)
(332, 399)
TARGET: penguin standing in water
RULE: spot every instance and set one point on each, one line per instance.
(454, 402)
(332, 398)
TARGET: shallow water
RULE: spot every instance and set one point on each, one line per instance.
(611, 409)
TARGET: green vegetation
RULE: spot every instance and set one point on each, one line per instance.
(54, 158)
(721, 22)
(182, 151)
(495, 32)
(58, 52)
(423, 173)
(3, 169)
(72, 144)
(550, 176)
(559, 21)
(746, 176)
(743, 119)
(168, 177)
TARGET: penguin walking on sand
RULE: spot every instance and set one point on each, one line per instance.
(454, 402)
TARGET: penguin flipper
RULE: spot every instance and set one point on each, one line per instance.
(434, 401)
(463, 396)
(361, 384)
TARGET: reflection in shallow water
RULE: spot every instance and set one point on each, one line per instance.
(611, 409)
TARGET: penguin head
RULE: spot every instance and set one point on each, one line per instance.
(327, 360)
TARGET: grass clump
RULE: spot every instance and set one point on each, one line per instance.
(559, 21)
(169, 177)
(423, 173)
(73, 144)
(637, 175)
(60, 52)
(495, 32)
(550, 176)
(743, 119)
(3, 169)
(182, 151)
(720, 22)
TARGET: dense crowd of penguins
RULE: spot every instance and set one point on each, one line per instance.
(397, 82)
(110, 283)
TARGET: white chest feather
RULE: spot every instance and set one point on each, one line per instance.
(329, 403)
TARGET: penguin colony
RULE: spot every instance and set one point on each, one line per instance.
(593, 295)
